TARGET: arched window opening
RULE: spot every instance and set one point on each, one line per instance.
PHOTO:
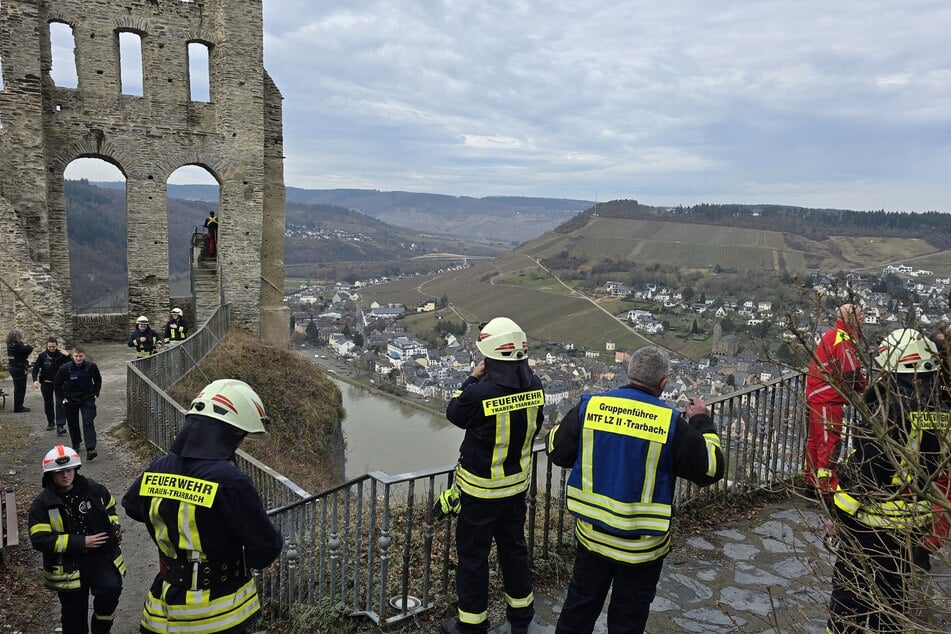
(97, 235)
(192, 193)
(63, 50)
(199, 82)
(130, 63)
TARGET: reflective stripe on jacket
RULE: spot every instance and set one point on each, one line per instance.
(501, 423)
(898, 515)
(203, 515)
(607, 488)
(50, 532)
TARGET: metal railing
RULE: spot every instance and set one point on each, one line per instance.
(371, 544)
(173, 362)
(155, 416)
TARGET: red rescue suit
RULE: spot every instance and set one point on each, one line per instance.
(835, 370)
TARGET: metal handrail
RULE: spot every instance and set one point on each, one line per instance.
(371, 544)
(155, 416)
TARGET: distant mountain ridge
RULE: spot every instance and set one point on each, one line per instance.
(318, 237)
(512, 219)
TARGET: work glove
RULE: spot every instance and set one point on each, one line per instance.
(447, 504)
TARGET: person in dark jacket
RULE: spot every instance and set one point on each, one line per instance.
(884, 501)
(18, 365)
(45, 367)
(73, 522)
(176, 329)
(626, 449)
(145, 340)
(80, 382)
(501, 408)
(204, 582)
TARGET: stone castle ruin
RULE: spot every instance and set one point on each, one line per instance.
(236, 135)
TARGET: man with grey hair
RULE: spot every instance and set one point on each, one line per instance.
(627, 448)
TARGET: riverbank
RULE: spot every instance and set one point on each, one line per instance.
(341, 370)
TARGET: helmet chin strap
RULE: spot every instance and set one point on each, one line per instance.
(205, 438)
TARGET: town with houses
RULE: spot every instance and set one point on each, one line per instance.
(376, 345)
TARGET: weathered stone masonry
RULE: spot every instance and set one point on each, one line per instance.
(237, 137)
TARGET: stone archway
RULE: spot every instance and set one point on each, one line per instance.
(237, 135)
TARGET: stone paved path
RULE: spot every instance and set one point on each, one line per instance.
(768, 573)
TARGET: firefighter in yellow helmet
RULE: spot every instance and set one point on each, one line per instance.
(73, 522)
(500, 407)
(206, 518)
(881, 506)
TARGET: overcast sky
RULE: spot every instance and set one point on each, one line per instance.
(838, 104)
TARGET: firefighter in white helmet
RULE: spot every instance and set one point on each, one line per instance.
(500, 407)
(145, 340)
(206, 518)
(882, 504)
(73, 522)
(176, 328)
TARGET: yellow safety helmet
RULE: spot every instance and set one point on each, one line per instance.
(233, 402)
(906, 351)
(503, 340)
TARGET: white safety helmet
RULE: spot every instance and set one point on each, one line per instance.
(142, 320)
(503, 340)
(232, 402)
(907, 351)
(60, 458)
(177, 311)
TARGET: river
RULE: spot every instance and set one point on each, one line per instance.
(383, 434)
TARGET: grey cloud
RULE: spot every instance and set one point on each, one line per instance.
(680, 99)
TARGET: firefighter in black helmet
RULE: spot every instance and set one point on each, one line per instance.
(206, 518)
(500, 407)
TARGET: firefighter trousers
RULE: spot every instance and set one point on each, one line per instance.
(101, 578)
(634, 587)
(480, 522)
(870, 579)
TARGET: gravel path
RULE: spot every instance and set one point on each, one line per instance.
(115, 467)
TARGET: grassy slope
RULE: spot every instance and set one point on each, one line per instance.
(546, 316)
(692, 245)
(515, 285)
(305, 429)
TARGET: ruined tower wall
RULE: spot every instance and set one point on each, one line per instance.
(236, 136)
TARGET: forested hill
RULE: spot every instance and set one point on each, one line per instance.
(815, 224)
(315, 236)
